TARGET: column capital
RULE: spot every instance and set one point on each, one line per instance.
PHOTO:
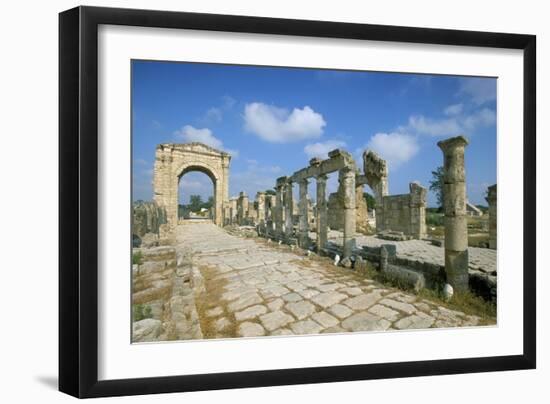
(348, 171)
(321, 178)
(452, 143)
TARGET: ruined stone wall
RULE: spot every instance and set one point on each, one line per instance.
(242, 208)
(147, 218)
(405, 213)
(362, 213)
(233, 211)
(336, 209)
(394, 214)
(252, 212)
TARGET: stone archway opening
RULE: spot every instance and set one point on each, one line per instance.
(172, 161)
(196, 195)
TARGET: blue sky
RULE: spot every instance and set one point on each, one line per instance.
(273, 120)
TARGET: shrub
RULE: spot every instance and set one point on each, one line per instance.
(141, 311)
(434, 219)
(137, 258)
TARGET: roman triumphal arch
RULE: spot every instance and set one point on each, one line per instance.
(174, 160)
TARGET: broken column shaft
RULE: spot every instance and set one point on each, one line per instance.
(454, 203)
(278, 211)
(303, 214)
(260, 198)
(347, 177)
(288, 203)
(322, 218)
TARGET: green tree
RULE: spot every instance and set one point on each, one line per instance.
(195, 203)
(270, 192)
(209, 203)
(436, 185)
(370, 200)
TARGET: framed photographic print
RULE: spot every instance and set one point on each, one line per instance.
(251, 201)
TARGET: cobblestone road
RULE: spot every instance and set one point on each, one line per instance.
(254, 288)
(480, 259)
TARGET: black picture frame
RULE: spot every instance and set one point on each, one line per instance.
(78, 196)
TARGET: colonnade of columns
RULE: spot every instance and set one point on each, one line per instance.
(281, 208)
(283, 212)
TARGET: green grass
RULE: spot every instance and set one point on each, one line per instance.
(475, 239)
(137, 258)
(371, 273)
(141, 311)
(436, 231)
(466, 302)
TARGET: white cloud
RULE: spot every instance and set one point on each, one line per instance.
(228, 102)
(278, 125)
(254, 165)
(454, 109)
(195, 185)
(483, 118)
(141, 162)
(395, 148)
(255, 177)
(452, 126)
(479, 90)
(434, 127)
(321, 149)
(251, 181)
(213, 114)
(189, 134)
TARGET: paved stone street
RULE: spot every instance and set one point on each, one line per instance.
(480, 259)
(255, 288)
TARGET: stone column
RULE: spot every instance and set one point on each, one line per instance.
(289, 208)
(218, 203)
(492, 200)
(278, 211)
(260, 197)
(242, 206)
(269, 208)
(303, 214)
(232, 210)
(417, 210)
(322, 218)
(347, 178)
(246, 204)
(454, 203)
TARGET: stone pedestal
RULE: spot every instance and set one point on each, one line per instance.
(347, 178)
(454, 203)
(322, 218)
